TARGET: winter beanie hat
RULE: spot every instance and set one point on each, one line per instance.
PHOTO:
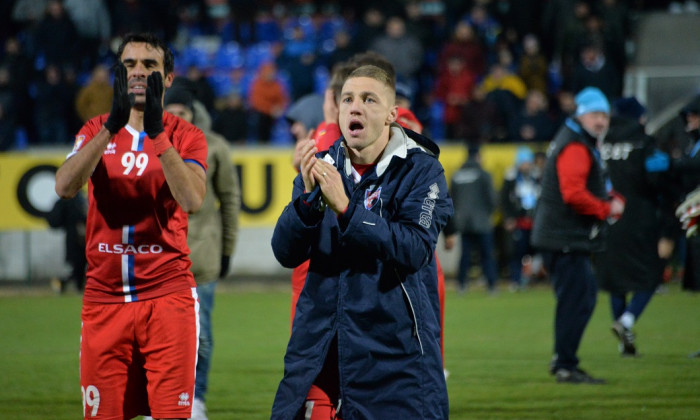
(591, 99)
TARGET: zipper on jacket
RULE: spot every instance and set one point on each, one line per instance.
(413, 315)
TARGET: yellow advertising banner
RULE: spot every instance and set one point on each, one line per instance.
(266, 175)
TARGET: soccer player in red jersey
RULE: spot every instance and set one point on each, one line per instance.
(145, 171)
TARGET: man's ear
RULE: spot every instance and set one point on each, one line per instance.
(168, 80)
(392, 115)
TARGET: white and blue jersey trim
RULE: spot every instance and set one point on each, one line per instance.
(128, 231)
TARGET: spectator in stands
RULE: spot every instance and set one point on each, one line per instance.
(204, 92)
(612, 43)
(419, 26)
(70, 79)
(466, 44)
(92, 22)
(474, 199)
(501, 78)
(232, 119)
(507, 50)
(370, 28)
(485, 26)
(53, 100)
(568, 44)
(504, 91)
(594, 69)
(56, 36)
(403, 50)
(297, 42)
(344, 48)
(454, 88)
(95, 97)
(564, 107)
(245, 29)
(532, 122)
(616, 18)
(21, 71)
(268, 101)
(479, 119)
(533, 65)
(299, 69)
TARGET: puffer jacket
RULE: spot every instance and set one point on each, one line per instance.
(371, 283)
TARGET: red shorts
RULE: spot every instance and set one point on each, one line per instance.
(139, 358)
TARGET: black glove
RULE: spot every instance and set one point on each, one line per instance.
(121, 101)
(153, 112)
(225, 262)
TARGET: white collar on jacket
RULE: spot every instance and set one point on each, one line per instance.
(398, 145)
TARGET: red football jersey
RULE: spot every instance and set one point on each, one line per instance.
(136, 233)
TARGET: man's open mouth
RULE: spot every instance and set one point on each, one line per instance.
(355, 127)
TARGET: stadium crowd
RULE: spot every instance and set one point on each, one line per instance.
(482, 70)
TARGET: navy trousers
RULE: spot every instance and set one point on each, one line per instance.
(576, 291)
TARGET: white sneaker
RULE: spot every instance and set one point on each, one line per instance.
(199, 410)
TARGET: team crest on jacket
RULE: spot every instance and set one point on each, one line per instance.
(371, 197)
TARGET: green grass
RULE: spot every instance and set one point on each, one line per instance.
(497, 352)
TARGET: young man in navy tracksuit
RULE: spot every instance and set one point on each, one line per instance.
(366, 333)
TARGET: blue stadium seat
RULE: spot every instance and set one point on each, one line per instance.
(221, 83)
(330, 27)
(257, 54)
(195, 56)
(303, 22)
(230, 56)
(267, 30)
(321, 78)
(437, 124)
(280, 135)
(286, 81)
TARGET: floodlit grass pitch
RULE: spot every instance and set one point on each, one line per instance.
(497, 352)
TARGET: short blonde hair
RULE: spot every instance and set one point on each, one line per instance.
(376, 73)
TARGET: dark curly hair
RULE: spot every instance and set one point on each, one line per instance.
(153, 41)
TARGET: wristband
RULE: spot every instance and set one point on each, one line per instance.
(161, 143)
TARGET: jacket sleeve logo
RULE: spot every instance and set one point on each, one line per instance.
(426, 216)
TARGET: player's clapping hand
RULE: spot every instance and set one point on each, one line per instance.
(153, 111)
(332, 187)
(121, 101)
(307, 150)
